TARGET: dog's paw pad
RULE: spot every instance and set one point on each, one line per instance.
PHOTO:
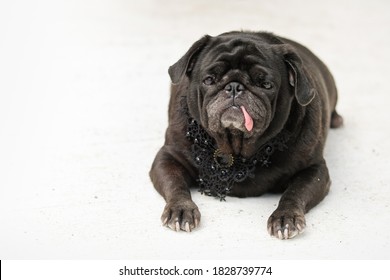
(181, 216)
(285, 225)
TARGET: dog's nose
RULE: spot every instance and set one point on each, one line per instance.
(234, 88)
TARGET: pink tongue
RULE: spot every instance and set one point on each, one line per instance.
(248, 119)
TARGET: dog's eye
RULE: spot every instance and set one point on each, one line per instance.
(266, 85)
(209, 80)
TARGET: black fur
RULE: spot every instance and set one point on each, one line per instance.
(283, 86)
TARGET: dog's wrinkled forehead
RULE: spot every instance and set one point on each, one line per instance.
(237, 53)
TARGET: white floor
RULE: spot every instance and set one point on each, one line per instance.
(83, 109)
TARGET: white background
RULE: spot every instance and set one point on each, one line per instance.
(83, 110)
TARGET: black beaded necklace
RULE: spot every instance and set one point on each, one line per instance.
(218, 172)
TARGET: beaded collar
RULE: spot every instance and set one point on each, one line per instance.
(218, 172)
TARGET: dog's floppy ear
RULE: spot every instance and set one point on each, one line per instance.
(187, 62)
(297, 77)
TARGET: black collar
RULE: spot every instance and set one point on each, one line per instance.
(219, 172)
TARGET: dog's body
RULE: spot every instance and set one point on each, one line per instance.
(245, 92)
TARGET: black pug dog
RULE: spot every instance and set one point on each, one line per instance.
(249, 113)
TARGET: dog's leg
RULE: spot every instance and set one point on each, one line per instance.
(305, 190)
(172, 180)
(336, 120)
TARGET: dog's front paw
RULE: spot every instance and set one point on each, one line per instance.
(285, 224)
(181, 215)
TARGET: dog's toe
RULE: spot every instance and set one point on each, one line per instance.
(286, 224)
(182, 215)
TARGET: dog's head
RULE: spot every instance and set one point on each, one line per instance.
(241, 87)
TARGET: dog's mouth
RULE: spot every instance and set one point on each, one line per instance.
(235, 125)
(237, 118)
